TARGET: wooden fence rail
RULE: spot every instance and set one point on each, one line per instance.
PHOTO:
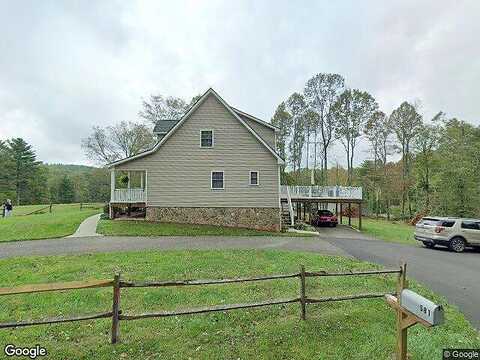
(117, 284)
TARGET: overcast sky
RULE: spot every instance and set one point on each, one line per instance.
(68, 65)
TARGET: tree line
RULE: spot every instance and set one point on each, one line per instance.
(439, 159)
(26, 180)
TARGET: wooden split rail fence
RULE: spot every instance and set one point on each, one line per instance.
(117, 284)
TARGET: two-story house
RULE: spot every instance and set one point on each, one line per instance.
(216, 165)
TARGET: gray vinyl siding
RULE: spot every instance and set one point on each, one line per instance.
(265, 133)
(179, 173)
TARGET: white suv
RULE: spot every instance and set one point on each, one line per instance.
(455, 233)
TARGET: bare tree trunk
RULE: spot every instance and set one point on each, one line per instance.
(351, 165)
(403, 180)
(314, 156)
(325, 166)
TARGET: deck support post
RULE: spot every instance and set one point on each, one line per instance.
(112, 194)
(112, 185)
(359, 216)
(341, 213)
(349, 214)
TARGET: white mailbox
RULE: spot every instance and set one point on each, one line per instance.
(422, 307)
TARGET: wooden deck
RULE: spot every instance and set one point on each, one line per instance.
(300, 199)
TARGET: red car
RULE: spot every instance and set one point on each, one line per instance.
(325, 217)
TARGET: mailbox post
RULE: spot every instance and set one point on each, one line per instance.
(411, 309)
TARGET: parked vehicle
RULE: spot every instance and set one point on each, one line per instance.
(455, 233)
(325, 217)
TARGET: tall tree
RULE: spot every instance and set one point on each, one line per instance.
(351, 111)
(66, 191)
(125, 139)
(425, 144)
(296, 106)
(7, 166)
(311, 121)
(283, 120)
(376, 131)
(158, 107)
(406, 123)
(25, 166)
(321, 92)
(384, 133)
(458, 169)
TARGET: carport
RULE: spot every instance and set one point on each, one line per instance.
(303, 207)
(305, 199)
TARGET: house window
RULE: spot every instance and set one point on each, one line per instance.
(206, 138)
(254, 178)
(217, 180)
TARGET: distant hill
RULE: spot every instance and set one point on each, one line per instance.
(70, 168)
(90, 184)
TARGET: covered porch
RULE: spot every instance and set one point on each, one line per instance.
(128, 190)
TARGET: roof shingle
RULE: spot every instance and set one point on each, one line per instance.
(164, 126)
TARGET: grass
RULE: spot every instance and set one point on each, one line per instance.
(146, 228)
(361, 329)
(63, 221)
(390, 231)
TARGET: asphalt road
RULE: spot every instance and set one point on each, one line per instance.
(455, 276)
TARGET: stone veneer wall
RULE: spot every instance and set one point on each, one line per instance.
(254, 218)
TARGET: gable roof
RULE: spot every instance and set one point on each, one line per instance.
(192, 109)
(164, 126)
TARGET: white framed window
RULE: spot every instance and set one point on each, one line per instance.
(254, 178)
(217, 180)
(206, 138)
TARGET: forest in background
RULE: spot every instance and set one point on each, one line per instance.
(26, 180)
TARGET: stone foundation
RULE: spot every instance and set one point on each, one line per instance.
(267, 219)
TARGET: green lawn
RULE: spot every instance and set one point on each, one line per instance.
(146, 228)
(63, 221)
(361, 329)
(394, 231)
(391, 231)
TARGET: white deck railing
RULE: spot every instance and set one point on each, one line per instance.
(128, 195)
(346, 192)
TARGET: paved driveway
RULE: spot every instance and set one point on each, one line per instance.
(455, 276)
(82, 245)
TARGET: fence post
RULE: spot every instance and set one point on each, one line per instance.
(50, 209)
(81, 206)
(401, 333)
(302, 292)
(116, 309)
